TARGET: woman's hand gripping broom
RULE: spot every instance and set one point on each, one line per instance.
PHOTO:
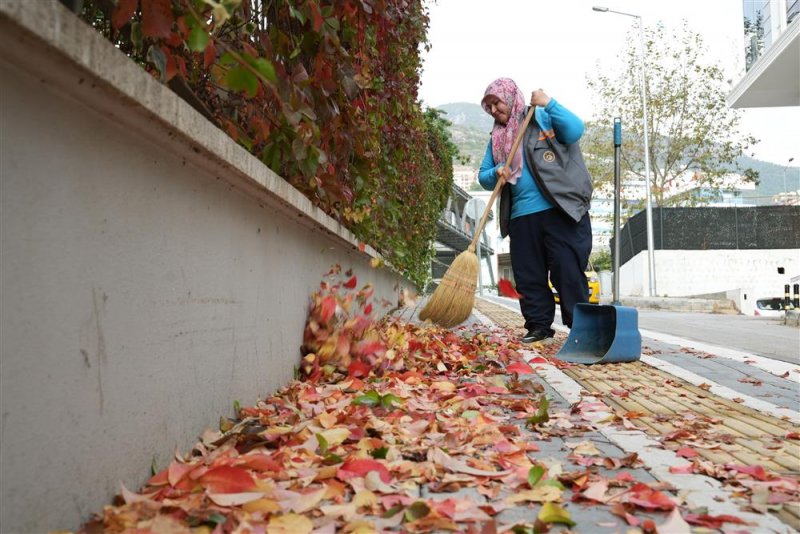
(452, 302)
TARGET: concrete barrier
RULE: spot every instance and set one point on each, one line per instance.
(152, 271)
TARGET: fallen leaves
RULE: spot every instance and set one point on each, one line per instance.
(388, 422)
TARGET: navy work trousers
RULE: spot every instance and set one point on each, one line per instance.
(550, 242)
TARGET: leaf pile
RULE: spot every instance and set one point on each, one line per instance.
(411, 428)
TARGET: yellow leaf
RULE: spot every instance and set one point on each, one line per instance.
(290, 524)
(327, 420)
(262, 505)
(365, 498)
(553, 513)
(444, 387)
(537, 494)
(335, 436)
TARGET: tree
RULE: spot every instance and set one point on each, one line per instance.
(692, 131)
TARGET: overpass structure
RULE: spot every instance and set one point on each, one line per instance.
(456, 229)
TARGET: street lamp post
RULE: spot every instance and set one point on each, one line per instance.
(651, 263)
(785, 190)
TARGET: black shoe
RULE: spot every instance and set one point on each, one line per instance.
(537, 334)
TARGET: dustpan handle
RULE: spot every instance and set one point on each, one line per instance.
(509, 160)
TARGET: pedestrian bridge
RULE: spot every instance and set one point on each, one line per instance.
(455, 231)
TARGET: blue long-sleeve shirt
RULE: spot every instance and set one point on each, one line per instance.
(526, 197)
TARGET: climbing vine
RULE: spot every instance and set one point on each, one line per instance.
(324, 92)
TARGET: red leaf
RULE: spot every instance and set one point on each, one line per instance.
(123, 13)
(327, 308)
(157, 18)
(507, 289)
(624, 477)
(360, 467)
(226, 479)
(210, 54)
(755, 471)
(686, 452)
(646, 497)
(620, 393)
(368, 309)
(358, 369)
(521, 368)
(793, 435)
(685, 469)
(713, 521)
(350, 284)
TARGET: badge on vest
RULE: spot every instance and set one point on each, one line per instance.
(549, 156)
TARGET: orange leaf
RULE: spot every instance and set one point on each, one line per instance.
(507, 289)
(226, 479)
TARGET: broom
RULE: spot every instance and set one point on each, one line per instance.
(452, 302)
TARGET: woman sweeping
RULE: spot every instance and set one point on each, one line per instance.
(544, 202)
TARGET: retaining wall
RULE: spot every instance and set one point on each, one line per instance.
(152, 271)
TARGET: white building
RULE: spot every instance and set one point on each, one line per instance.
(772, 55)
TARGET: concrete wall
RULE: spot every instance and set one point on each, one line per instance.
(152, 271)
(681, 273)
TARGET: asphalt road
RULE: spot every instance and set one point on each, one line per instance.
(763, 336)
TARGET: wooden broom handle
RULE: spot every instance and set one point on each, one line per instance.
(479, 228)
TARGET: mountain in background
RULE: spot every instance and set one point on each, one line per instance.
(470, 132)
(467, 114)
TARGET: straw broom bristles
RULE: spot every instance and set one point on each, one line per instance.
(452, 302)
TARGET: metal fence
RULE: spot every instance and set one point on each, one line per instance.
(758, 227)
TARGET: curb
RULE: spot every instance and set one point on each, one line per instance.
(683, 304)
(792, 318)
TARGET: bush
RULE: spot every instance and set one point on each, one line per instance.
(602, 261)
(324, 92)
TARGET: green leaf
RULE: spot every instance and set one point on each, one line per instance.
(323, 444)
(332, 459)
(265, 68)
(241, 79)
(136, 35)
(470, 414)
(236, 408)
(371, 398)
(535, 474)
(393, 511)
(521, 529)
(418, 510)
(380, 453)
(198, 39)
(389, 399)
(541, 415)
(553, 513)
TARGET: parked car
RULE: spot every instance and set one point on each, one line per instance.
(594, 285)
(769, 307)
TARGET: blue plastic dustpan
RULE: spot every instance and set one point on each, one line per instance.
(603, 334)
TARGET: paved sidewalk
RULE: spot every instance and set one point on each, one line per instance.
(726, 413)
(465, 430)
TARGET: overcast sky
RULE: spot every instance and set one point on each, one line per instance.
(554, 45)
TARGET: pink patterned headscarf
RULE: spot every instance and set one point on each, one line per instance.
(503, 135)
